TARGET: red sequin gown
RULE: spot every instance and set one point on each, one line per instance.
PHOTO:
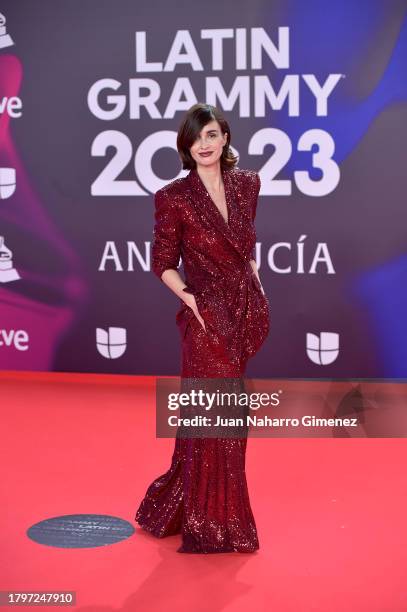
(204, 494)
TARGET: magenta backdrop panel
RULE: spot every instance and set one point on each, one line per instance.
(91, 98)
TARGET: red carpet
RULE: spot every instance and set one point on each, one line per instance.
(330, 513)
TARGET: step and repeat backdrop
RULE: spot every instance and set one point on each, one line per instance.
(91, 97)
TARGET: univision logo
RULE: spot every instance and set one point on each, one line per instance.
(7, 182)
(111, 343)
(323, 349)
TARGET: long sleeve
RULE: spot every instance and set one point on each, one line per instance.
(167, 235)
(257, 185)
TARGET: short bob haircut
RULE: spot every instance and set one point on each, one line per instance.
(195, 119)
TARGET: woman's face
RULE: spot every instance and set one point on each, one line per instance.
(207, 148)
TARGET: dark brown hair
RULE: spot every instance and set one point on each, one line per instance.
(195, 119)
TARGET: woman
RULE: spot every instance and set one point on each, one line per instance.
(207, 218)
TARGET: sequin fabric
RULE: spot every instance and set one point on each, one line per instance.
(204, 494)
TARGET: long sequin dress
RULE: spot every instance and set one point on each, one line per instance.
(204, 494)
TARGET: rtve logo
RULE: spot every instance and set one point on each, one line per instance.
(12, 106)
(111, 343)
(323, 349)
(17, 339)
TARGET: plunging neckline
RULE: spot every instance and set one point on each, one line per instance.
(228, 208)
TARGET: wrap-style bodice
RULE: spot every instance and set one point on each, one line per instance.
(216, 259)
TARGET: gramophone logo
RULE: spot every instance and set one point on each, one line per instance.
(111, 343)
(323, 349)
(7, 272)
(5, 39)
(7, 182)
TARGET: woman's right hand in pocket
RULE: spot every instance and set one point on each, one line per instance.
(190, 301)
